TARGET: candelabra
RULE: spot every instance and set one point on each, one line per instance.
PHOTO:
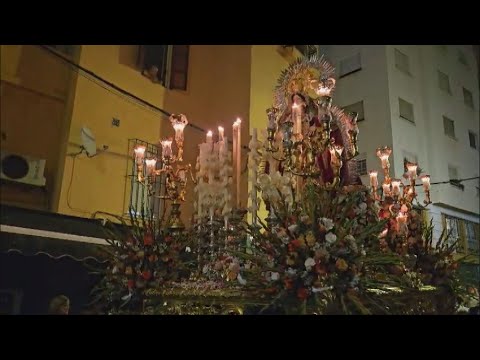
(398, 203)
(174, 175)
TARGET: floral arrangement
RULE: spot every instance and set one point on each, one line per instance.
(330, 255)
(141, 257)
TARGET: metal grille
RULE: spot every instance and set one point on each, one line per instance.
(140, 201)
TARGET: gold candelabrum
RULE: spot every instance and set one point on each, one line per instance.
(399, 203)
(173, 174)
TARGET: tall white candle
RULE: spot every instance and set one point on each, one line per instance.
(254, 182)
(239, 156)
(209, 137)
(234, 160)
(221, 131)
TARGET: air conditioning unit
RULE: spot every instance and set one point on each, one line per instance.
(23, 169)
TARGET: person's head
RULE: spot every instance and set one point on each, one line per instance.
(59, 305)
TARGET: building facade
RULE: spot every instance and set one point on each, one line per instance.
(51, 94)
(423, 101)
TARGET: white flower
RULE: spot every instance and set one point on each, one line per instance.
(317, 290)
(275, 276)
(363, 252)
(304, 218)
(330, 238)
(363, 206)
(309, 263)
(241, 280)
(292, 228)
(350, 238)
(328, 223)
(205, 269)
(187, 249)
(291, 271)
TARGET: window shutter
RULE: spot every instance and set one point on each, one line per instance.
(179, 70)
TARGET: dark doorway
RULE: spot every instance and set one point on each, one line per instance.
(28, 283)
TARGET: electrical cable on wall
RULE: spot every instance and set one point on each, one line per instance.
(107, 85)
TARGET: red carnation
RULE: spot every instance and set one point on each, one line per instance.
(147, 274)
(148, 239)
(295, 243)
(302, 293)
(288, 283)
(131, 284)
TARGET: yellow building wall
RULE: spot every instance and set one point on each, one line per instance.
(101, 183)
(34, 89)
(268, 61)
(217, 92)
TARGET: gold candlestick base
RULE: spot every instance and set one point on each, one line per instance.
(174, 221)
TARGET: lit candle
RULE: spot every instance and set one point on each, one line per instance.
(150, 163)
(178, 122)
(426, 182)
(384, 154)
(166, 147)
(386, 189)
(209, 137)
(234, 160)
(239, 156)
(139, 153)
(412, 170)
(373, 178)
(221, 131)
(396, 186)
(297, 119)
(254, 182)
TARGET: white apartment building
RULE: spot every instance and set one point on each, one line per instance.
(423, 101)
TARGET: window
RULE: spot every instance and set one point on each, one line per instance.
(473, 139)
(452, 172)
(451, 224)
(449, 127)
(361, 166)
(472, 236)
(153, 59)
(444, 82)
(141, 202)
(402, 62)
(406, 110)
(350, 65)
(462, 59)
(179, 71)
(467, 98)
(166, 64)
(453, 177)
(64, 49)
(358, 108)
